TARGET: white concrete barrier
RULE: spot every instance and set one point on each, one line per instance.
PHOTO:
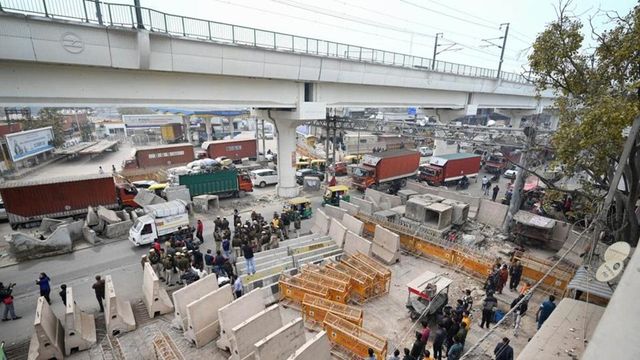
(202, 316)
(337, 231)
(321, 224)
(250, 331)
(47, 341)
(318, 348)
(118, 314)
(282, 343)
(189, 293)
(350, 208)
(154, 296)
(354, 244)
(386, 245)
(79, 327)
(236, 312)
(352, 224)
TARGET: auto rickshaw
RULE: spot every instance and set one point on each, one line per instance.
(428, 295)
(302, 205)
(303, 163)
(334, 194)
(158, 188)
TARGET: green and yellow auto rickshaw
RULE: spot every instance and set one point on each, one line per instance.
(302, 205)
(334, 194)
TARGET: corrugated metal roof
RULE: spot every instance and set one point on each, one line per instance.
(55, 180)
(585, 281)
(393, 153)
(457, 156)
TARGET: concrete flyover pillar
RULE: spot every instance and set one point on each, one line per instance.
(207, 123)
(286, 130)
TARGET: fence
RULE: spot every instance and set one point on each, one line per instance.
(122, 15)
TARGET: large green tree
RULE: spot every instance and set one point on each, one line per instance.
(48, 117)
(598, 96)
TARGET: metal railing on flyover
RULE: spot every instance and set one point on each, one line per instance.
(123, 15)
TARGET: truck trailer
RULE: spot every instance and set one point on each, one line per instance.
(228, 182)
(172, 133)
(145, 157)
(445, 169)
(234, 149)
(160, 222)
(383, 169)
(31, 201)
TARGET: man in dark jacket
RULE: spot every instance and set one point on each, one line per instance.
(417, 350)
(487, 309)
(503, 350)
(438, 342)
(515, 273)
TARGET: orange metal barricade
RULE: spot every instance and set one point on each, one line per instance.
(337, 290)
(379, 286)
(315, 309)
(294, 289)
(383, 272)
(354, 338)
(361, 284)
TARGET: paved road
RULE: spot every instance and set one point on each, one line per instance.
(119, 259)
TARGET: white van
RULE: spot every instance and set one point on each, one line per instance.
(263, 177)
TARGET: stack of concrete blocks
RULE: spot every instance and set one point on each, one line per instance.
(381, 200)
(233, 314)
(352, 224)
(430, 211)
(189, 293)
(337, 231)
(201, 202)
(244, 335)
(400, 210)
(79, 327)
(405, 195)
(282, 343)
(386, 245)
(350, 208)
(113, 224)
(439, 215)
(118, 314)
(415, 209)
(364, 206)
(460, 211)
(47, 341)
(202, 316)
(321, 224)
(318, 348)
(354, 243)
(492, 213)
(154, 296)
(334, 212)
(474, 202)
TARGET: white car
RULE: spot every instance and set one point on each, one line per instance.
(511, 173)
(425, 151)
(263, 177)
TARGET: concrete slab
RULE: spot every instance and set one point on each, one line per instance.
(179, 192)
(189, 293)
(386, 245)
(491, 213)
(115, 230)
(352, 224)
(79, 327)
(118, 314)
(202, 203)
(364, 206)
(282, 343)
(107, 215)
(154, 296)
(438, 215)
(406, 194)
(321, 224)
(147, 198)
(383, 201)
(47, 341)
(246, 334)
(334, 212)
(415, 209)
(354, 244)
(202, 316)
(350, 208)
(92, 217)
(337, 231)
(317, 348)
(23, 246)
(234, 313)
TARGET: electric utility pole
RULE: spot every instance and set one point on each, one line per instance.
(435, 51)
(504, 44)
(518, 186)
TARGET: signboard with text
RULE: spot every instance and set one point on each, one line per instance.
(25, 144)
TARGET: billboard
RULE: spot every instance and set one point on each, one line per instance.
(150, 120)
(26, 144)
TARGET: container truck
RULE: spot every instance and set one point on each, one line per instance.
(228, 182)
(172, 133)
(160, 221)
(31, 201)
(384, 169)
(159, 156)
(445, 169)
(234, 149)
(500, 161)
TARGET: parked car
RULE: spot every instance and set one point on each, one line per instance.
(301, 174)
(263, 177)
(425, 151)
(511, 173)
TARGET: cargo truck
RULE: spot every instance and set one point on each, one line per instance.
(172, 133)
(234, 149)
(159, 156)
(224, 183)
(446, 169)
(500, 161)
(160, 221)
(31, 201)
(385, 169)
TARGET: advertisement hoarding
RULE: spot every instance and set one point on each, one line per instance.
(26, 144)
(150, 120)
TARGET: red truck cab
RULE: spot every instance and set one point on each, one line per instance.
(244, 183)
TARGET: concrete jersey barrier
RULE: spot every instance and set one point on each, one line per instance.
(79, 327)
(47, 341)
(236, 312)
(118, 314)
(154, 296)
(281, 343)
(189, 293)
(202, 316)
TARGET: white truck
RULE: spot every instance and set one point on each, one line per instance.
(159, 222)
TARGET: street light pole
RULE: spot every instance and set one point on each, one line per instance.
(435, 51)
(504, 44)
